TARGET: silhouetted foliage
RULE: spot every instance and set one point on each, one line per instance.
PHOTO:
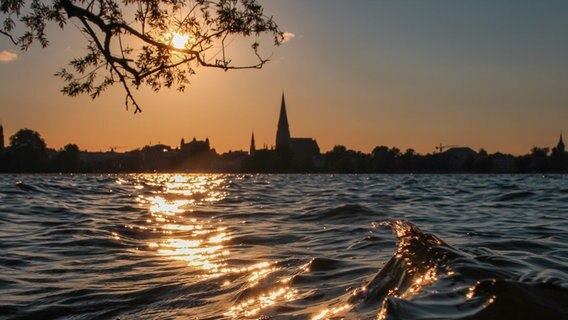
(27, 139)
(27, 152)
(384, 159)
(409, 161)
(132, 42)
(539, 152)
(538, 160)
(68, 159)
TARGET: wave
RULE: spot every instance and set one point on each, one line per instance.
(26, 187)
(427, 278)
(342, 214)
(515, 196)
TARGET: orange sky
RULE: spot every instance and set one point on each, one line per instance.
(359, 75)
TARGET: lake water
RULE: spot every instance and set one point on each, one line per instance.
(283, 246)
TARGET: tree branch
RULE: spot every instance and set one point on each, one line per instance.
(153, 60)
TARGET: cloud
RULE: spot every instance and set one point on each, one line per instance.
(287, 37)
(7, 56)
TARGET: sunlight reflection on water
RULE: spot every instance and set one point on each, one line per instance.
(202, 243)
(205, 245)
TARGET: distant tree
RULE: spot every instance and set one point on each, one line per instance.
(158, 43)
(339, 149)
(27, 139)
(539, 152)
(538, 160)
(384, 159)
(68, 159)
(337, 160)
(342, 160)
(71, 148)
(410, 152)
(27, 152)
(344, 165)
(410, 161)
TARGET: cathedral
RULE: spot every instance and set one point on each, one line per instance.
(302, 148)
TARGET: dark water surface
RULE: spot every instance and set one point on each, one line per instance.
(284, 247)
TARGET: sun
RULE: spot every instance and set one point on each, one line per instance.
(179, 40)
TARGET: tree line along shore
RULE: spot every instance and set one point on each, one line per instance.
(27, 152)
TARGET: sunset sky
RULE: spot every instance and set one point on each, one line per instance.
(411, 74)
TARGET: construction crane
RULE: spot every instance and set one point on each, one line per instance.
(441, 147)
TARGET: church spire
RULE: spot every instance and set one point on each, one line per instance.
(560, 146)
(252, 150)
(283, 132)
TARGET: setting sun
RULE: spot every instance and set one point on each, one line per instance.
(179, 40)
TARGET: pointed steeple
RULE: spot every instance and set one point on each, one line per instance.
(560, 146)
(252, 149)
(283, 132)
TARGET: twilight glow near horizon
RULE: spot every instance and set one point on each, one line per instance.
(411, 74)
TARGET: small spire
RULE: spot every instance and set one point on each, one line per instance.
(252, 149)
(560, 148)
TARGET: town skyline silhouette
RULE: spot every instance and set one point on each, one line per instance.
(287, 154)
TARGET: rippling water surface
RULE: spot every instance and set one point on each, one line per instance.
(284, 247)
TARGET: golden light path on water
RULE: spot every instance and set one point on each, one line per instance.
(205, 246)
(175, 203)
(204, 242)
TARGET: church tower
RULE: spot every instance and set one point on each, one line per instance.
(252, 149)
(560, 146)
(283, 133)
(1, 137)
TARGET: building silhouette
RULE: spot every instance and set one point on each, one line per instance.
(560, 150)
(301, 148)
(1, 137)
(252, 149)
(560, 146)
(194, 146)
